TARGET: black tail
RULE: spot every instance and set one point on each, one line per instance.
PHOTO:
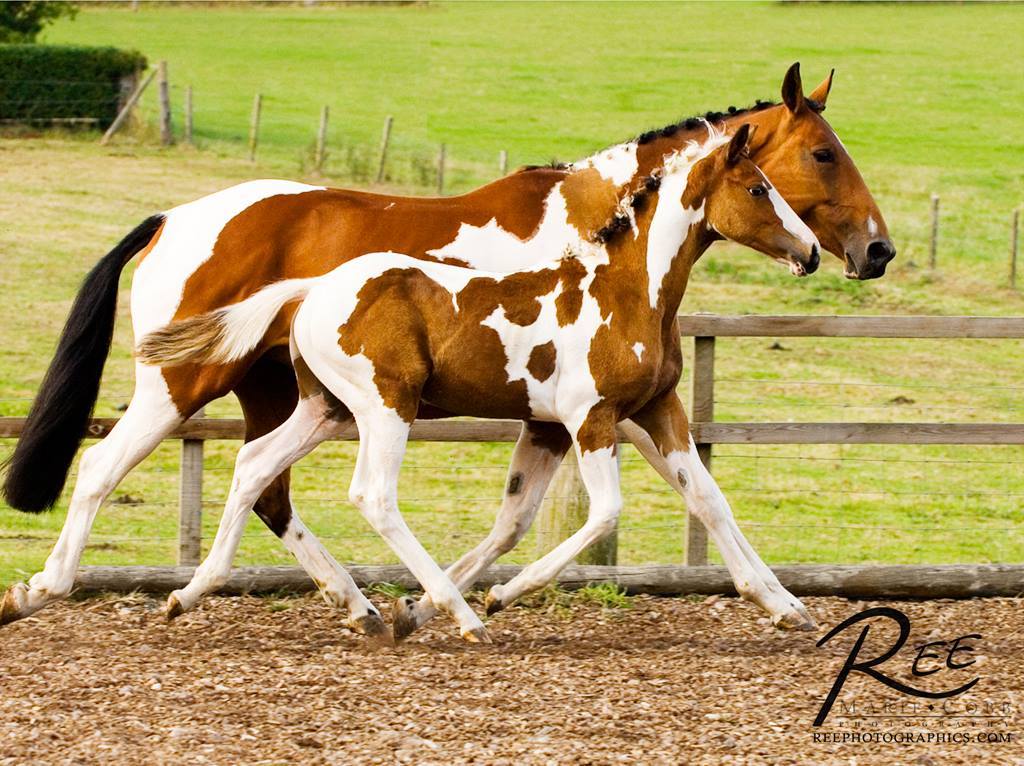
(38, 468)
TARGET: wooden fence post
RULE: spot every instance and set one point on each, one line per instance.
(440, 172)
(188, 114)
(384, 138)
(190, 503)
(702, 410)
(934, 244)
(503, 162)
(254, 125)
(565, 510)
(321, 138)
(166, 131)
(1014, 241)
(127, 108)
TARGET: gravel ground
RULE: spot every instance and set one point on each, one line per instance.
(673, 681)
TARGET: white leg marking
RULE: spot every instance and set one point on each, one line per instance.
(258, 463)
(148, 419)
(529, 475)
(600, 472)
(374, 490)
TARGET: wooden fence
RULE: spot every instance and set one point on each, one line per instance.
(704, 330)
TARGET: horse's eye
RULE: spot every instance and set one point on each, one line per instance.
(758, 191)
(824, 155)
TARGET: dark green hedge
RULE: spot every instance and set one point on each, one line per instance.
(43, 82)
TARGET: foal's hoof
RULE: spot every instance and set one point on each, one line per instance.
(403, 617)
(373, 627)
(478, 635)
(13, 603)
(493, 604)
(797, 618)
(174, 608)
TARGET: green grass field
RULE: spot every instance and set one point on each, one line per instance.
(927, 98)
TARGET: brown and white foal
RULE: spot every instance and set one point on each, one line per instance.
(585, 341)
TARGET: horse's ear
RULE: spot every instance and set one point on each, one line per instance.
(738, 144)
(793, 89)
(820, 94)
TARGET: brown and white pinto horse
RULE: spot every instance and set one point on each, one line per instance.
(225, 247)
(585, 341)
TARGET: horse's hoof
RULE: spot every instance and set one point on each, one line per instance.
(403, 617)
(798, 618)
(493, 604)
(174, 608)
(13, 602)
(477, 635)
(373, 627)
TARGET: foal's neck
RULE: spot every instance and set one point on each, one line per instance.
(649, 266)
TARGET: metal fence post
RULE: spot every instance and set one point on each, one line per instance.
(190, 503)
(702, 410)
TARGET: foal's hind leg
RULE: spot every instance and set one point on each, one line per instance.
(258, 463)
(150, 417)
(537, 455)
(374, 490)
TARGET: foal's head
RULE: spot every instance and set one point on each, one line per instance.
(741, 204)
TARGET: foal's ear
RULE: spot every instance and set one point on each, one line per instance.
(820, 94)
(793, 89)
(738, 144)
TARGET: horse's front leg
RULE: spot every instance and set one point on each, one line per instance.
(665, 421)
(537, 455)
(595, 445)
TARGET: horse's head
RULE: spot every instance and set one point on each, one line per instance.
(811, 169)
(741, 204)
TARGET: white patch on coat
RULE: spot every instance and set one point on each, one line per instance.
(669, 227)
(616, 163)
(638, 349)
(186, 242)
(492, 248)
(872, 226)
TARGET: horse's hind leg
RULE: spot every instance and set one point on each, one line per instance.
(268, 395)
(537, 455)
(150, 417)
(258, 463)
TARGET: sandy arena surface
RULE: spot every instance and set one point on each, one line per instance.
(674, 681)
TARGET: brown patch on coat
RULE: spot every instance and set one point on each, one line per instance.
(589, 198)
(541, 364)
(570, 299)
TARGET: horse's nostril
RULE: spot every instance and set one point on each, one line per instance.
(881, 250)
(814, 260)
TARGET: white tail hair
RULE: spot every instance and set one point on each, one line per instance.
(221, 336)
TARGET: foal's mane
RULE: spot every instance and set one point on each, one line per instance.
(635, 200)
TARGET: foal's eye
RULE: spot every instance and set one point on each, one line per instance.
(824, 155)
(758, 191)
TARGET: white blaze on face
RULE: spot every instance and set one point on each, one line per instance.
(616, 164)
(791, 222)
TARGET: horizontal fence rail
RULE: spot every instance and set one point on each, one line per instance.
(704, 329)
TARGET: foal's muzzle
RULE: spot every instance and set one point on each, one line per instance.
(801, 267)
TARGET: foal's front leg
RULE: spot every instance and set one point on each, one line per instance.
(665, 421)
(537, 455)
(595, 445)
